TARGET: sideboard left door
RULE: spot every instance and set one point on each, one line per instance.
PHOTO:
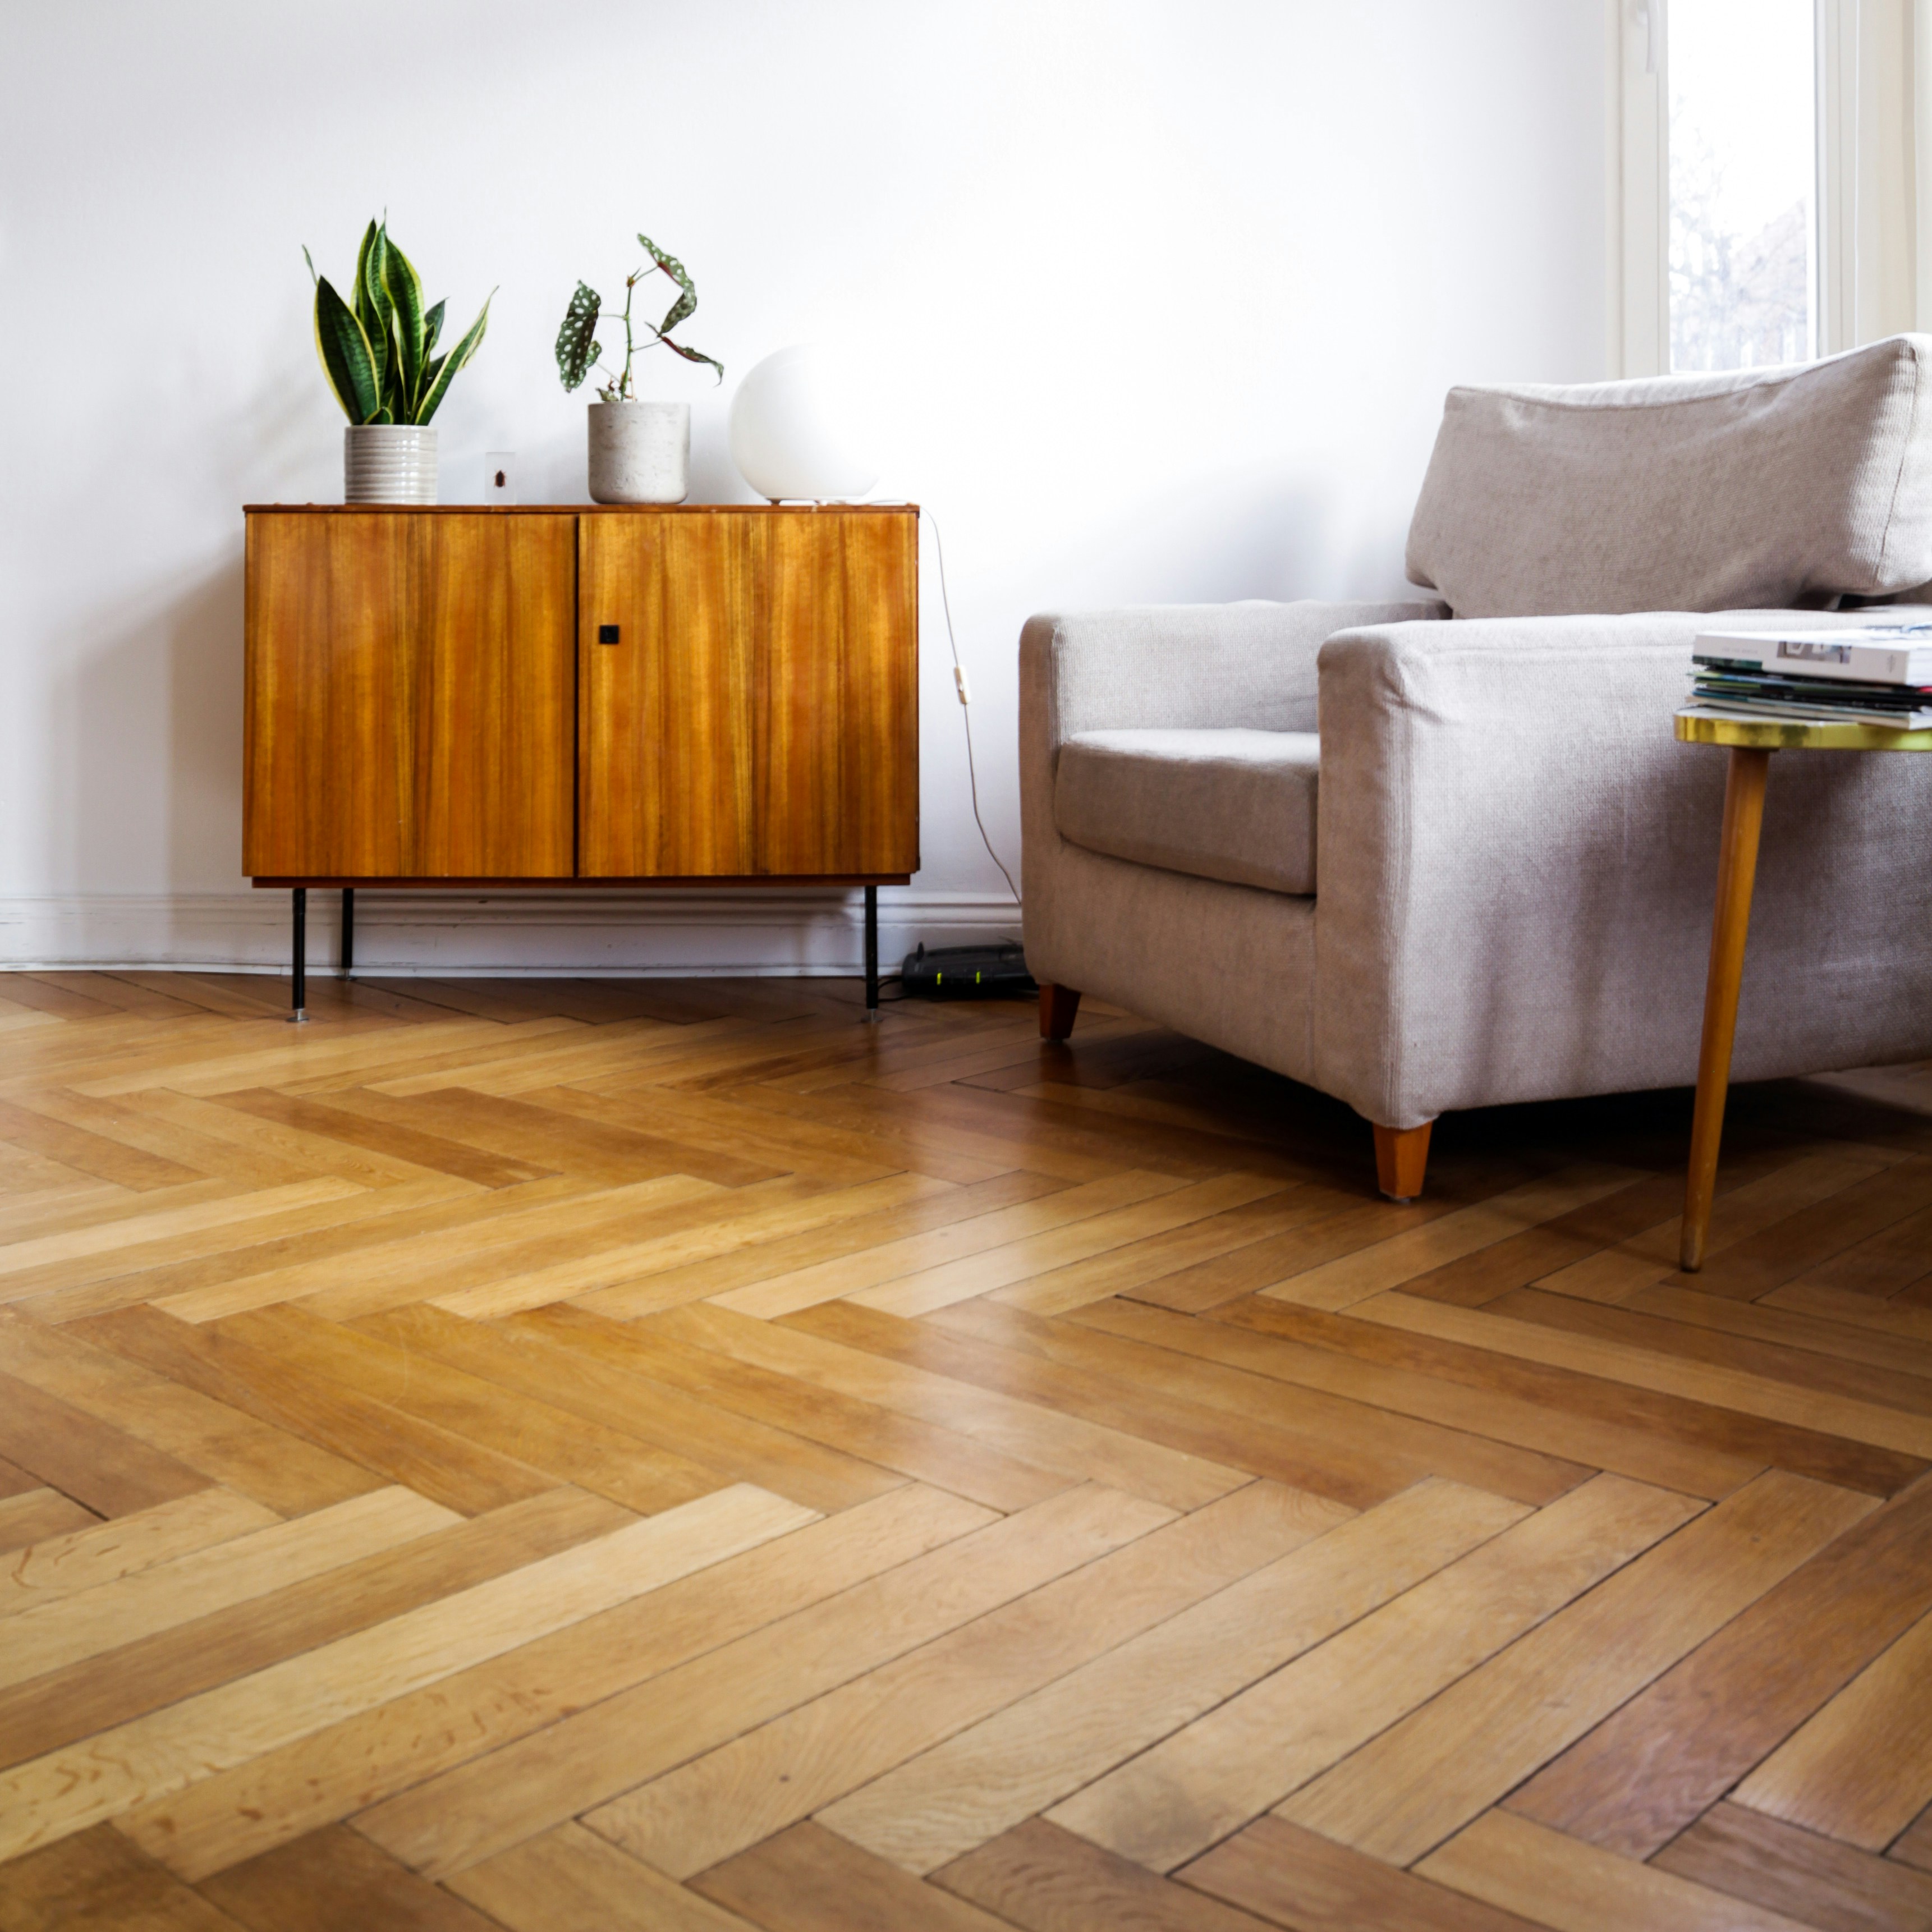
(410, 695)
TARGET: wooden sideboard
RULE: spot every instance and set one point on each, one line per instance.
(700, 694)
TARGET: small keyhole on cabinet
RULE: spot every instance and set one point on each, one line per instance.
(607, 633)
(499, 479)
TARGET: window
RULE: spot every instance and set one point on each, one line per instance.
(1766, 191)
(1742, 147)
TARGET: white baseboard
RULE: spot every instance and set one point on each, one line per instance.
(654, 933)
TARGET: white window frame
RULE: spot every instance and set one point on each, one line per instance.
(1874, 186)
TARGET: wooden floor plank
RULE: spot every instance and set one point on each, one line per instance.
(282, 1470)
(1861, 1769)
(1799, 1368)
(1537, 1560)
(1348, 1278)
(452, 1469)
(34, 1517)
(768, 1779)
(354, 1766)
(38, 1717)
(398, 1142)
(1647, 1772)
(72, 1788)
(334, 1880)
(1791, 1331)
(807, 1880)
(465, 1816)
(1465, 1456)
(1829, 1420)
(96, 1882)
(99, 1155)
(570, 1880)
(936, 1249)
(1029, 1432)
(1293, 1877)
(1020, 1760)
(109, 1471)
(769, 1251)
(709, 1397)
(122, 1611)
(1554, 1430)
(501, 1422)
(1812, 1878)
(1354, 1472)
(634, 1278)
(610, 1385)
(1437, 1769)
(1572, 1887)
(101, 1553)
(1047, 1880)
(1172, 1802)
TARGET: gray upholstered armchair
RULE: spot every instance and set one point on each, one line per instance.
(1447, 854)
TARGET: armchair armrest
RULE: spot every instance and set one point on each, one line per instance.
(1517, 861)
(1182, 666)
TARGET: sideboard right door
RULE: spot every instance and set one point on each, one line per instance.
(667, 613)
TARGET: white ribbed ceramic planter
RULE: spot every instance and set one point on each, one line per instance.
(640, 452)
(389, 463)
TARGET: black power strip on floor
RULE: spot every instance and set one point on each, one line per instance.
(967, 973)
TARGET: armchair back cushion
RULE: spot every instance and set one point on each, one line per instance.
(1757, 489)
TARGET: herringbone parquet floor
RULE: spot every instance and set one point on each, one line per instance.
(581, 1456)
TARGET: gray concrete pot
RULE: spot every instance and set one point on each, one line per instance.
(389, 463)
(640, 452)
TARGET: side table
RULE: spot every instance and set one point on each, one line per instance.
(1751, 741)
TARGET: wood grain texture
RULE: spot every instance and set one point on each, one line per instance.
(836, 724)
(1048, 1880)
(408, 701)
(571, 1880)
(1572, 1887)
(808, 1880)
(1861, 1770)
(315, 1339)
(150, 1757)
(771, 1778)
(1440, 1767)
(665, 713)
(1648, 1770)
(1813, 1878)
(1293, 1877)
(1214, 1775)
(96, 1553)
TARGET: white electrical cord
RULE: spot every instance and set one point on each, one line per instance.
(965, 704)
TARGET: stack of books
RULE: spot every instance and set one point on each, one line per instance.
(1882, 675)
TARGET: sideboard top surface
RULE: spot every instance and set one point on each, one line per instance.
(578, 509)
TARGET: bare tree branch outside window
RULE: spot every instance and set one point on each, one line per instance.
(1743, 171)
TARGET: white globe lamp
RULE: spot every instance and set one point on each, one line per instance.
(797, 430)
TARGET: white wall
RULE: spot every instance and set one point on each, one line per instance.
(1163, 297)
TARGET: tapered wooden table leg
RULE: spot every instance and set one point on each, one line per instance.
(1737, 872)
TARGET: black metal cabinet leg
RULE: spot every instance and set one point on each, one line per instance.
(300, 999)
(348, 931)
(871, 953)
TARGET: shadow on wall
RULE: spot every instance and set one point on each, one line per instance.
(148, 739)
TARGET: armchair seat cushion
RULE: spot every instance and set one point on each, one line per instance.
(1225, 804)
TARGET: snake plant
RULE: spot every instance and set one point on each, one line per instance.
(379, 352)
(577, 350)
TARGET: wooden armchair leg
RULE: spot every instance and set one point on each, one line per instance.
(1057, 1006)
(1401, 1158)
